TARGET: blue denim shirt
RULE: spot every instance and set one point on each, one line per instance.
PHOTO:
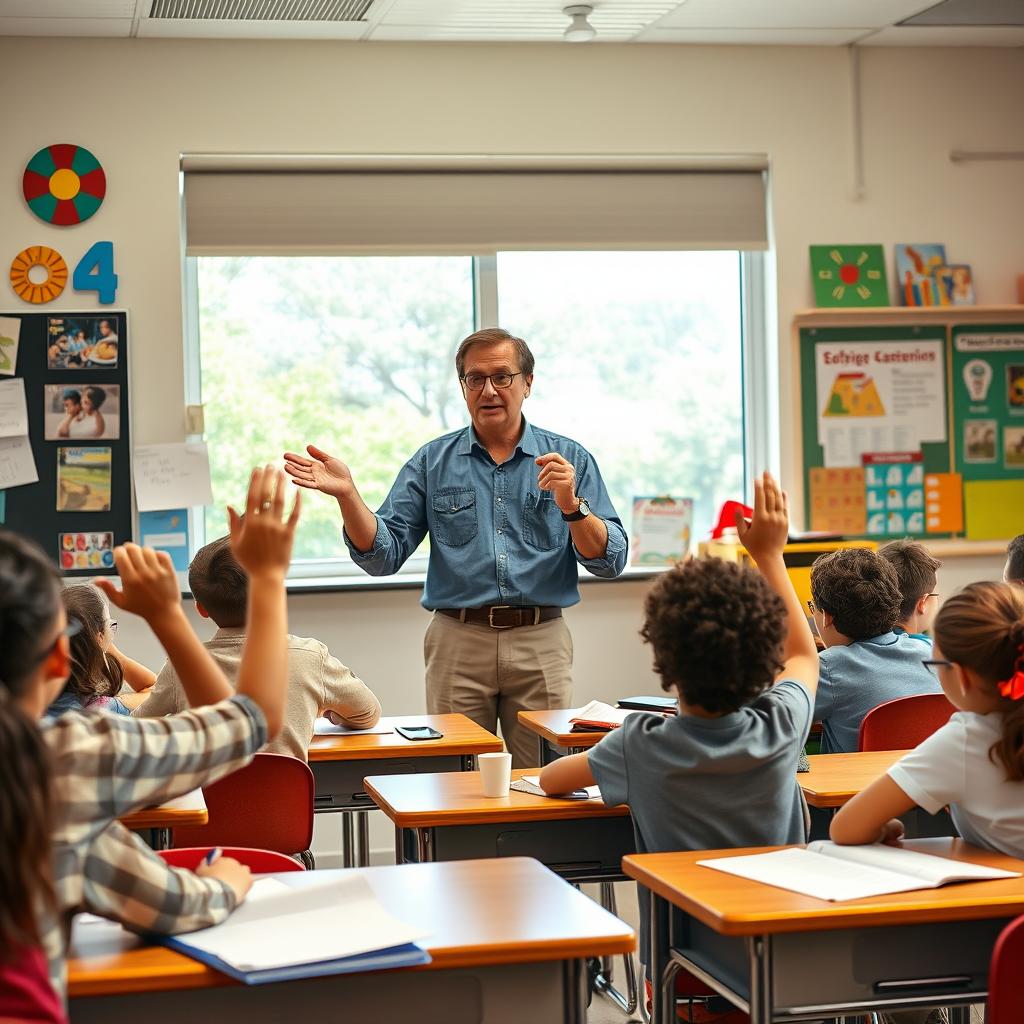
(495, 536)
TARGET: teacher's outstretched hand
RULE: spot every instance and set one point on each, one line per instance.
(320, 472)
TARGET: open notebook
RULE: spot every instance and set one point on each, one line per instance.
(330, 926)
(598, 716)
(831, 872)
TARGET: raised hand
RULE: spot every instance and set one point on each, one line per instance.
(319, 472)
(558, 476)
(767, 532)
(149, 584)
(262, 541)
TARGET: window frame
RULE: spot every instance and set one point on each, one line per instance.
(759, 382)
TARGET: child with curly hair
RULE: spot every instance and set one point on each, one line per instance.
(734, 645)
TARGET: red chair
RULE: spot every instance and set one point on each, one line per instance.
(905, 722)
(260, 862)
(268, 805)
(1005, 992)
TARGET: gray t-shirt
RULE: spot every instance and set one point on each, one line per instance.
(710, 783)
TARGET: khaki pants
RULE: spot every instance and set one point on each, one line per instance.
(489, 675)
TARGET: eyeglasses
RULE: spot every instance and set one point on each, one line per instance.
(933, 665)
(112, 625)
(476, 381)
(811, 608)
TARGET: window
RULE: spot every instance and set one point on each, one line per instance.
(639, 358)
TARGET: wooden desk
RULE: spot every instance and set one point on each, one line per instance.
(340, 763)
(189, 809)
(771, 951)
(836, 778)
(499, 929)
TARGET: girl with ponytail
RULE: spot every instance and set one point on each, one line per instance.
(974, 763)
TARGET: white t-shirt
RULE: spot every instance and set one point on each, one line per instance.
(953, 767)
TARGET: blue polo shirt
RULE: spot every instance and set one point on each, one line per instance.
(495, 536)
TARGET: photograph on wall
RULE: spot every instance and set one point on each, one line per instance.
(86, 551)
(81, 343)
(1015, 388)
(10, 332)
(956, 285)
(88, 412)
(1013, 447)
(83, 479)
(915, 273)
(980, 440)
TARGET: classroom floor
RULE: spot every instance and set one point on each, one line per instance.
(602, 1010)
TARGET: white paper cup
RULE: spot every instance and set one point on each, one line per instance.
(495, 773)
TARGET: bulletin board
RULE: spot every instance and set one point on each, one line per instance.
(75, 374)
(914, 428)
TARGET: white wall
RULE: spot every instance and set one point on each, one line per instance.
(138, 104)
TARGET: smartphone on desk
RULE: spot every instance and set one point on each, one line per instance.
(418, 732)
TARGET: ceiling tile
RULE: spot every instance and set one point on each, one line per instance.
(791, 13)
(754, 36)
(65, 26)
(78, 9)
(959, 36)
(180, 28)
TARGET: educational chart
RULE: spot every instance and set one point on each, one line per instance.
(65, 450)
(661, 530)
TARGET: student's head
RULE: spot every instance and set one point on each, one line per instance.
(916, 571)
(856, 595)
(93, 398)
(93, 673)
(33, 666)
(981, 632)
(717, 630)
(219, 584)
(1013, 571)
(71, 399)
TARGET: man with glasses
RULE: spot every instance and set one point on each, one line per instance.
(510, 510)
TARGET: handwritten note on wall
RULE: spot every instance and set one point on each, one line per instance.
(169, 476)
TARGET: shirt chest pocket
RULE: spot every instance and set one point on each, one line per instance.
(543, 525)
(455, 518)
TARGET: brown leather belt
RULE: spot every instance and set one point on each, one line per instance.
(503, 616)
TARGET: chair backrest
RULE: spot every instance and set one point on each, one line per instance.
(905, 722)
(1005, 992)
(260, 862)
(268, 805)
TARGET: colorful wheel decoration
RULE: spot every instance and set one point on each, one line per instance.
(64, 184)
(51, 261)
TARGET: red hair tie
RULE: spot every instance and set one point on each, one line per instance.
(1014, 686)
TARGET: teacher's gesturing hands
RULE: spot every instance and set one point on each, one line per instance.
(319, 472)
(558, 476)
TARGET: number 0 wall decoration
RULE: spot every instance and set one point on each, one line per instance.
(64, 184)
(56, 274)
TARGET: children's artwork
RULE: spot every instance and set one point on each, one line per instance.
(956, 285)
(83, 479)
(1015, 388)
(89, 412)
(838, 500)
(77, 551)
(894, 486)
(977, 374)
(661, 530)
(943, 502)
(849, 275)
(13, 411)
(10, 331)
(81, 343)
(915, 273)
(64, 184)
(980, 440)
(171, 476)
(1013, 447)
(50, 262)
(167, 531)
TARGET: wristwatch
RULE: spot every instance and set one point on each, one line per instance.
(581, 512)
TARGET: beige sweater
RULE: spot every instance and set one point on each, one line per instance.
(316, 683)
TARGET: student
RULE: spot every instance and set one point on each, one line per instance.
(856, 604)
(723, 772)
(77, 775)
(974, 763)
(317, 683)
(915, 569)
(95, 678)
(1013, 571)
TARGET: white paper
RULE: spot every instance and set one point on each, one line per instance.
(305, 924)
(10, 332)
(171, 476)
(13, 411)
(533, 781)
(17, 466)
(323, 727)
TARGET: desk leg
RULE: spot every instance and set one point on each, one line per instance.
(161, 838)
(469, 762)
(761, 994)
(658, 912)
(603, 981)
(575, 998)
(347, 857)
(959, 1015)
(362, 839)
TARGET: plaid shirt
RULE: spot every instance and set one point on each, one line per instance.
(105, 766)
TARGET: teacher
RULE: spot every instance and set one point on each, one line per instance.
(510, 509)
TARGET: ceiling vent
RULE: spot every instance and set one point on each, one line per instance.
(262, 10)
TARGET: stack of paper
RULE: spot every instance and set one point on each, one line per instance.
(17, 466)
(323, 727)
(531, 784)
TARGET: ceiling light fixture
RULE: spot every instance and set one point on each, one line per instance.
(580, 30)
